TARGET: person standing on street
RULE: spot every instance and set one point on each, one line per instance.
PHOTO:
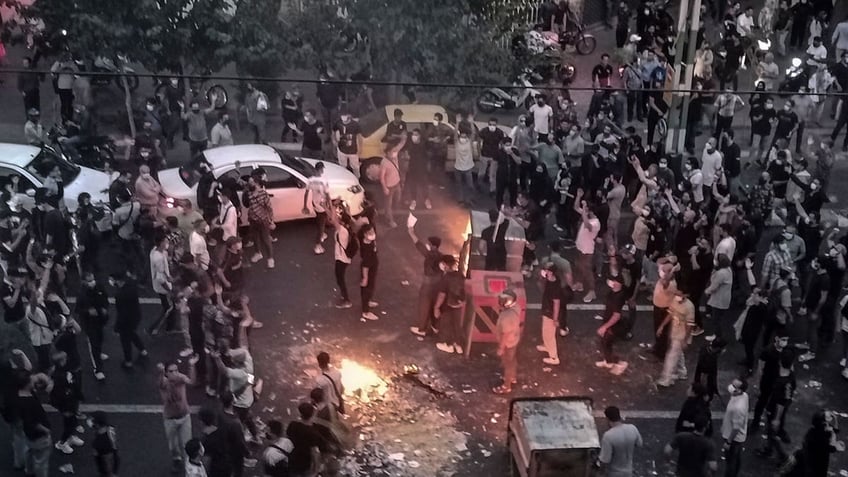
(681, 320)
(221, 135)
(590, 226)
(768, 368)
(93, 310)
(779, 403)
(347, 137)
(508, 331)
(29, 85)
(618, 445)
(370, 263)
(449, 305)
(63, 71)
(195, 120)
(696, 453)
(311, 131)
(552, 304)
(261, 218)
(36, 426)
(734, 426)
(612, 327)
(256, 105)
(160, 276)
(172, 390)
(432, 274)
(490, 138)
(127, 316)
(345, 248)
(319, 189)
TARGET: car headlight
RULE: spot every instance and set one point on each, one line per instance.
(355, 189)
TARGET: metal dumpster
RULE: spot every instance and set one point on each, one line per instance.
(552, 437)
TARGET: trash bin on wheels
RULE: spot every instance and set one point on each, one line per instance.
(552, 437)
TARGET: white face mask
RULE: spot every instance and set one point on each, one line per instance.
(435, 123)
(150, 107)
(731, 389)
(814, 186)
(463, 140)
(492, 128)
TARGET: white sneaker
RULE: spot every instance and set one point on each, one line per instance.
(318, 249)
(417, 331)
(541, 348)
(104, 356)
(370, 316)
(186, 353)
(590, 297)
(323, 236)
(256, 257)
(457, 349)
(563, 332)
(75, 441)
(603, 364)
(551, 361)
(64, 447)
(428, 205)
(99, 376)
(445, 347)
(845, 373)
(373, 304)
(618, 368)
(270, 263)
(842, 362)
(412, 205)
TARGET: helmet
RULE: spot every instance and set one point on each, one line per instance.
(507, 297)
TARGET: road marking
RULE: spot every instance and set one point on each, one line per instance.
(122, 408)
(593, 307)
(143, 301)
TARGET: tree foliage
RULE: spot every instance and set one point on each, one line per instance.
(432, 41)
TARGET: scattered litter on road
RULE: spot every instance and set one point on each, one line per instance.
(814, 384)
(405, 283)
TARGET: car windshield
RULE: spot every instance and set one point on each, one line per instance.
(371, 122)
(299, 165)
(190, 175)
(43, 163)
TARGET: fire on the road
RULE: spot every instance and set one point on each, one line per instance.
(361, 381)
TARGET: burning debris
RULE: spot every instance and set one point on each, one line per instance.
(361, 382)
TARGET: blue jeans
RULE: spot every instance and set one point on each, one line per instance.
(464, 184)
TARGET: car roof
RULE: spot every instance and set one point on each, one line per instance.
(416, 113)
(227, 155)
(17, 154)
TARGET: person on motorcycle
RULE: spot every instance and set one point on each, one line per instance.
(78, 131)
(34, 132)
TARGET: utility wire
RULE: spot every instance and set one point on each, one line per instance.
(372, 82)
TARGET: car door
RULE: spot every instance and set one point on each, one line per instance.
(286, 192)
(25, 185)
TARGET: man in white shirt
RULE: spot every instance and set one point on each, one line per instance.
(734, 426)
(745, 22)
(197, 244)
(840, 38)
(710, 165)
(585, 243)
(542, 116)
(228, 217)
(817, 53)
(160, 276)
(221, 134)
(319, 189)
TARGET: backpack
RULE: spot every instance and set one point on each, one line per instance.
(281, 468)
(352, 243)
(262, 103)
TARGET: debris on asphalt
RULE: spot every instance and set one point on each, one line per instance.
(814, 384)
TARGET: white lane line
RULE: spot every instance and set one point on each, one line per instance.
(143, 301)
(592, 307)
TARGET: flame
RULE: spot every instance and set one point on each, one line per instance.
(361, 381)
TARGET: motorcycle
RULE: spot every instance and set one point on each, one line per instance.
(116, 70)
(577, 38)
(522, 96)
(92, 153)
(797, 76)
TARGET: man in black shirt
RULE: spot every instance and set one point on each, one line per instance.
(631, 273)
(417, 183)
(207, 186)
(602, 73)
(450, 302)
(127, 316)
(490, 138)
(782, 394)
(817, 305)
(552, 302)
(56, 228)
(769, 368)
(311, 130)
(506, 178)
(612, 326)
(370, 262)
(396, 129)
(493, 242)
(432, 275)
(93, 309)
(215, 445)
(36, 427)
(347, 136)
(787, 122)
(308, 444)
(329, 95)
(732, 165)
(696, 452)
(11, 291)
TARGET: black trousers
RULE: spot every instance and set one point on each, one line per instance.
(653, 119)
(723, 123)
(762, 400)
(165, 317)
(32, 99)
(733, 459)
(129, 338)
(450, 326)
(366, 293)
(66, 104)
(95, 345)
(503, 184)
(341, 269)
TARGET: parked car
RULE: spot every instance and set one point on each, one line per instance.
(287, 178)
(33, 164)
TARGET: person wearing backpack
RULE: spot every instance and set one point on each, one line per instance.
(257, 107)
(275, 459)
(345, 248)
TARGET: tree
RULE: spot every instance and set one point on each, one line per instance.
(444, 41)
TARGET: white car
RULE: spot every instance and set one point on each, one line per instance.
(287, 178)
(33, 164)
